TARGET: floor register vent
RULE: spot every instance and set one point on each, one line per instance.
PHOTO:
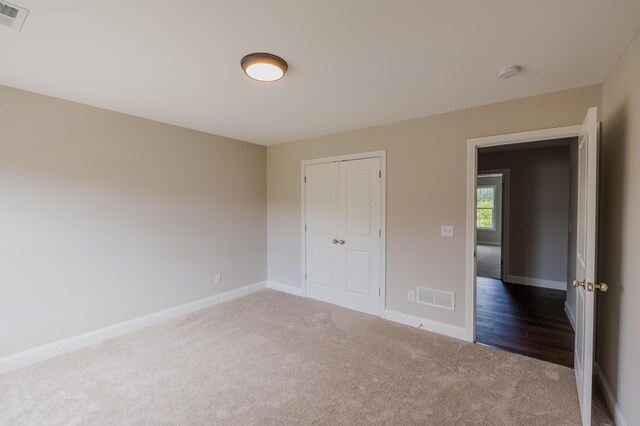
(437, 298)
(12, 16)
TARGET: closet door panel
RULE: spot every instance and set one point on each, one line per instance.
(360, 234)
(322, 209)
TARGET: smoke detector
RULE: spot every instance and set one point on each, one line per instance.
(12, 16)
(509, 72)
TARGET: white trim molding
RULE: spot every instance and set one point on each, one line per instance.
(536, 282)
(411, 320)
(531, 136)
(489, 243)
(472, 170)
(41, 353)
(614, 409)
(426, 324)
(285, 288)
(572, 319)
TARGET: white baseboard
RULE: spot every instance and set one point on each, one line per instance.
(490, 243)
(430, 325)
(536, 282)
(285, 288)
(572, 319)
(608, 397)
(406, 319)
(40, 353)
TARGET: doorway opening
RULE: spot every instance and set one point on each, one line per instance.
(525, 205)
(580, 285)
(491, 217)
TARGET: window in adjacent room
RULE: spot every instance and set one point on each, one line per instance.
(485, 205)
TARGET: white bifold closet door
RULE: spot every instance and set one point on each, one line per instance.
(343, 233)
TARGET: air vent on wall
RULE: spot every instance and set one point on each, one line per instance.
(12, 16)
(437, 298)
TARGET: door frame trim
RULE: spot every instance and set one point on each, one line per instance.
(383, 215)
(472, 169)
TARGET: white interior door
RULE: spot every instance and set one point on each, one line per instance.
(586, 261)
(343, 233)
(360, 230)
(322, 208)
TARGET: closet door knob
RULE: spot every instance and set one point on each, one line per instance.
(341, 242)
(335, 241)
(602, 287)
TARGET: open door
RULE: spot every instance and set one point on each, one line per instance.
(585, 275)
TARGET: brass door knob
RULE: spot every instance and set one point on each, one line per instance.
(341, 242)
(603, 287)
(575, 283)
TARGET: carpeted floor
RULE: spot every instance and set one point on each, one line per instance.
(273, 358)
(488, 261)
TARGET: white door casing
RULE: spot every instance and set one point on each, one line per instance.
(472, 170)
(343, 241)
(586, 260)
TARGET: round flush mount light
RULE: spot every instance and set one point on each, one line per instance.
(264, 66)
(509, 72)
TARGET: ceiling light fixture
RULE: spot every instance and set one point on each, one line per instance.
(264, 66)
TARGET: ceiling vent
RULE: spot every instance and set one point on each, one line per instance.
(437, 298)
(12, 16)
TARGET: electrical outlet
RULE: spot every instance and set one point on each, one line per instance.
(446, 231)
(218, 279)
(412, 296)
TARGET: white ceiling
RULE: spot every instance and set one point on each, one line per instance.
(353, 63)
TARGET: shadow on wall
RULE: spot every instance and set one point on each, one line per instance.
(611, 209)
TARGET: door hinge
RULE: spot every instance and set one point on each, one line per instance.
(379, 292)
(380, 174)
(305, 179)
(380, 233)
(305, 275)
(305, 228)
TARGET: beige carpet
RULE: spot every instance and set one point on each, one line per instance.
(272, 358)
(488, 259)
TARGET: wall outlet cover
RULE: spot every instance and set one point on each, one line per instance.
(446, 231)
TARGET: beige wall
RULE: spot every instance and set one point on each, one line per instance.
(106, 217)
(426, 181)
(538, 210)
(618, 349)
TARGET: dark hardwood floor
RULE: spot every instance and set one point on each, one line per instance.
(526, 320)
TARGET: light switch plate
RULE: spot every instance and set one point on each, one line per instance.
(446, 231)
(411, 296)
